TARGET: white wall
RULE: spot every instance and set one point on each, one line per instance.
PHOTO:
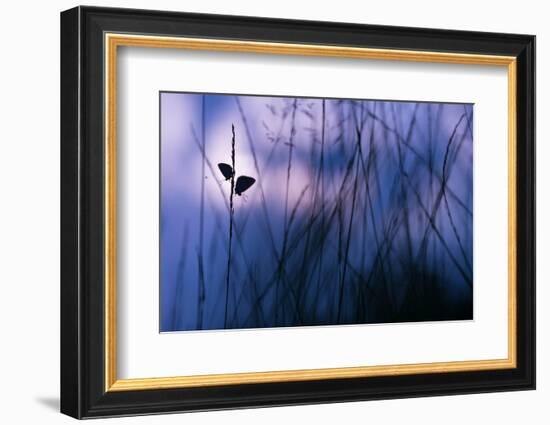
(29, 212)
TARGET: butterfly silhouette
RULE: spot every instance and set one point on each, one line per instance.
(226, 170)
(243, 182)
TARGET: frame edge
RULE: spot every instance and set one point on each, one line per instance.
(526, 218)
(70, 349)
(80, 396)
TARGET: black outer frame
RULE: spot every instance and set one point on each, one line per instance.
(82, 219)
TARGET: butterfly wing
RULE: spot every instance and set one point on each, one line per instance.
(226, 170)
(243, 183)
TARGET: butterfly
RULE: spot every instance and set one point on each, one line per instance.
(243, 182)
(226, 170)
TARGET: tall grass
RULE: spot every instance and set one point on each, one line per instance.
(231, 214)
(201, 288)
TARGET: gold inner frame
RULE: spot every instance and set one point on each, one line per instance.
(113, 41)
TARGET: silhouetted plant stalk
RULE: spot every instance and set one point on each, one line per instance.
(179, 277)
(237, 233)
(201, 286)
(321, 178)
(259, 174)
(358, 130)
(447, 207)
(286, 227)
(231, 214)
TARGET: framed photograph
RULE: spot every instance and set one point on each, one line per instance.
(261, 212)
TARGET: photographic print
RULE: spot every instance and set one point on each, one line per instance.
(293, 211)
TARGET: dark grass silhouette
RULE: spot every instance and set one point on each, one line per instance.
(231, 213)
(358, 212)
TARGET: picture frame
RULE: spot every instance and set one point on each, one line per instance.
(91, 38)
